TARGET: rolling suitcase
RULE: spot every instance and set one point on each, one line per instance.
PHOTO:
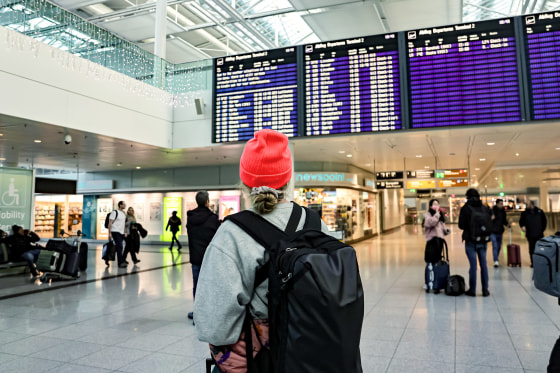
(83, 256)
(436, 274)
(70, 267)
(513, 253)
(50, 261)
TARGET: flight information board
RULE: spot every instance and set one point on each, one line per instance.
(463, 74)
(255, 91)
(542, 35)
(352, 85)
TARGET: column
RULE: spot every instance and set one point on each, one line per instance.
(160, 43)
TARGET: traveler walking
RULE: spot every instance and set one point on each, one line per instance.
(174, 224)
(132, 239)
(476, 223)
(533, 223)
(499, 221)
(117, 223)
(202, 224)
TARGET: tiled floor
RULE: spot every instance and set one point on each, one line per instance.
(137, 322)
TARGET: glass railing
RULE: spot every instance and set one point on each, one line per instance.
(52, 25)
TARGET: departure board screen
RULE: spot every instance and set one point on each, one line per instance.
(542, 33)
(255, 91)
(463, 74)
(352, 85)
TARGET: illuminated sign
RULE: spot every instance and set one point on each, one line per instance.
(455, 173)
(420, 184)
(325, 178)
(171, 204)
(389, 184)
(389, 175)
(453, 183)
(420, 174)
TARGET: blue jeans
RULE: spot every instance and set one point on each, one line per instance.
(30, 256)
(195, 273)
(496, 244)
(473, 250)
(118, 238)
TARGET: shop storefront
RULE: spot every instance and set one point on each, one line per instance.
(54, 213)
(347, 208)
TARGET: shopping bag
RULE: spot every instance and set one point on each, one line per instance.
(109, 251)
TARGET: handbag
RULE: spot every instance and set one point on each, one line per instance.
(109, 251)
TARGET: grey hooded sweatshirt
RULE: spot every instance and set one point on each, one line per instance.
(227, 279)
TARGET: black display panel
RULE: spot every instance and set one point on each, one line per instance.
(352, 85)
(542, 37)
(463, 74)
(255, 91)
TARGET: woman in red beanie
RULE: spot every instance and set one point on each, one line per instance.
(227, 277)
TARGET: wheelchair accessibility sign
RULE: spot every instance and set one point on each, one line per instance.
(15, 197)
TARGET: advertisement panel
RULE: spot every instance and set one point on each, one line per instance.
(16, 199)
(171, 204)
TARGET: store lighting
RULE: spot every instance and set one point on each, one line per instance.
(490, 143)
(418, 155)
(477, 169)
(1, 134)
(426, 167)
(37, 141)
(119, 164)
(482, 159)
(349, 155)
(341, 151)
(2, 159)
(517, 154)
(138, 167)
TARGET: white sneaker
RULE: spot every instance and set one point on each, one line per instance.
(425, 287)
(496, 264)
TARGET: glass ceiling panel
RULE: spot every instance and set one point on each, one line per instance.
(248, 7)
(285, 29)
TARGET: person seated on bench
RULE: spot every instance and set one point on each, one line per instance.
(21, 246)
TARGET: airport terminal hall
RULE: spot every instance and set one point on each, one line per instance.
(280, 186)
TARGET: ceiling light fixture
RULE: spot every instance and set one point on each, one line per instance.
(368, 164)
(490, 143)
(1, 134)
(517, 154)
(557, 148)
(426, 167)
(37, 141)
(119, 164)
(477, 169)
(482, 159)
(138, 167)
(342, 151)
(418, 155)
(2, 159)
(349, 155)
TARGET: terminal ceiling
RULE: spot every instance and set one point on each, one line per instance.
(200, 29)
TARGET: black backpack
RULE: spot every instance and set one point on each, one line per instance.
(315, 296)
(481, 224)
(107, 218)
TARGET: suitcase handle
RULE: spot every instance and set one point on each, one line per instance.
(509, 235)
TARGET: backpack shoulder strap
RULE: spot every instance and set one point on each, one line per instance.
(312, 219)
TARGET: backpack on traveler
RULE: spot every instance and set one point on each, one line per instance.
(107, 218)
(315, 299)
(481, 224)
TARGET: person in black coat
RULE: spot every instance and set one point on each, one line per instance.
(474, 249)
(499, 221)
(21, 246)
(533, 223)
(173, 224)
(202, 224)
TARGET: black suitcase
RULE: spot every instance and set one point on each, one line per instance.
(71, 265)
(83, 256)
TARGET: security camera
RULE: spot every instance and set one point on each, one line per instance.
(67, 139)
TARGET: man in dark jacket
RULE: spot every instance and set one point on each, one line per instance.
(533, 223)
(202, 224)
(474, 248)
(499, 221)
(20, 246)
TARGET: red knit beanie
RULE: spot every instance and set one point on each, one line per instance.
(266, 160)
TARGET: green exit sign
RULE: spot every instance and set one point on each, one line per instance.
(440, 175)
(412, 190)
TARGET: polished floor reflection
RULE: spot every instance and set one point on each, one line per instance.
(135, 319)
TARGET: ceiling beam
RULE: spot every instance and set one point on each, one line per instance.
(134, 10)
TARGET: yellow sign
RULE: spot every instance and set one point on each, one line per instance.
(420, 184)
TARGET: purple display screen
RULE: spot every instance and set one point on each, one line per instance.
(542, 33)
(255, 91)
(352, 85)
(463, 75)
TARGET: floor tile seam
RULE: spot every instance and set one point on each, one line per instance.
(71, 284)
(406, 326)
(503, 320)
